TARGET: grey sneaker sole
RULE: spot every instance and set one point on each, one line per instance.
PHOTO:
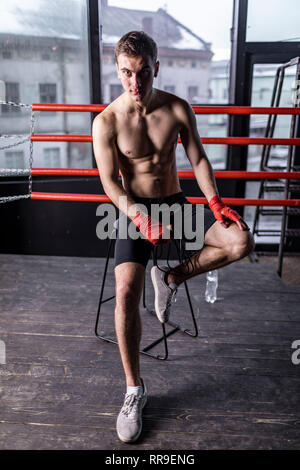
(128, 441)
(161, 319)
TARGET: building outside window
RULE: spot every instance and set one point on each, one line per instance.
(193, 94)
(12, 93)
(169, 88)
(52, 157)
(14, 159)
(48, 42)
(48, 93)
(115, 91)
(185, 54)
(6, 54)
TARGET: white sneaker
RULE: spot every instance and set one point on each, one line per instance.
(164, 294)
(129, 422)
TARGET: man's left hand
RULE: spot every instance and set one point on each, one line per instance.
(225, 215)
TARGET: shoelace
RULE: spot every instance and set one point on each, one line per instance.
(171, 298)
(130, 404)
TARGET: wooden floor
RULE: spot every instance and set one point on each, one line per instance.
(232, 387)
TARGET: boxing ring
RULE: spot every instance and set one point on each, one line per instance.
(236, 174)
(240, 389)
(229, 110)
(199, 110)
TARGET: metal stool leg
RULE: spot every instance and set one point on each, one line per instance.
(101, 301)
(110, 340)
(164, 335)
(176, 327)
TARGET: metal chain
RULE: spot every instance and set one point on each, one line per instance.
(20, 105)
(13, 198)
(32, 124)
(10, 172)
(9, 146)
(11, 136)
(14, 172)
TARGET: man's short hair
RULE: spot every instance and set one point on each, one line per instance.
(136, 43)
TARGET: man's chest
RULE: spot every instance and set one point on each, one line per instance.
(142, 136)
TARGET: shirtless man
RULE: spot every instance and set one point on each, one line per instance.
(137, 135)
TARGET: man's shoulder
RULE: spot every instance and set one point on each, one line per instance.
(108, 117)
(104, 122)
(178, 104)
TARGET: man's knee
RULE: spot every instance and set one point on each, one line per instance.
(129, 285)
(126, 295)
(242, 245)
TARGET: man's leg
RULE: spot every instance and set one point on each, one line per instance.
(129, 285)
(222, 246)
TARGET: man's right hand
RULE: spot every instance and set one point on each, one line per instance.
(152, 230)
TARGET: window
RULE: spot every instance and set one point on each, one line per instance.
(193, 94)
(183, 43)
(264, 76)
(115, 91)
(52, 157)
(273, 20)
(14, 159)
(7, 54)
(48, 93)
(170, 88)
(12, 93)
(48, 41)
(191, 53)
(262, 91)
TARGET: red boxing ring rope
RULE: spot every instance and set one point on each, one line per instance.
(94, 108)
(225, 174)
(241, 110)
(204, 140)
(194, 200)
(246, 110)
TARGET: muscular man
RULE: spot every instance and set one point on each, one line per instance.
(137, 135)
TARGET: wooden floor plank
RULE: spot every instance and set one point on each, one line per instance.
(232, 387)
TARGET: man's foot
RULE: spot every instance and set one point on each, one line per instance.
(164, 293)
(129, 422)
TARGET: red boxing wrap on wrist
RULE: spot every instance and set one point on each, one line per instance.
(221, 211)
(152, 230)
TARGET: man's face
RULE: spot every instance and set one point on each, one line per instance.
(136, 75)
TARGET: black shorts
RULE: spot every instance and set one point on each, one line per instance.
(139, 250)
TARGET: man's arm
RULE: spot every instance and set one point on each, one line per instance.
(203, 170)
(196, 154)
(106, 155)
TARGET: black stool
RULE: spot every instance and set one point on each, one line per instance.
(164, 334)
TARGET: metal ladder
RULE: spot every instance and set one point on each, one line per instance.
(287, 187)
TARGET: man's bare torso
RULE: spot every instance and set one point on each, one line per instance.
(146, 144)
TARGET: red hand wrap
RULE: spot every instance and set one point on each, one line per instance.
(221, 211)
(151, 229)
